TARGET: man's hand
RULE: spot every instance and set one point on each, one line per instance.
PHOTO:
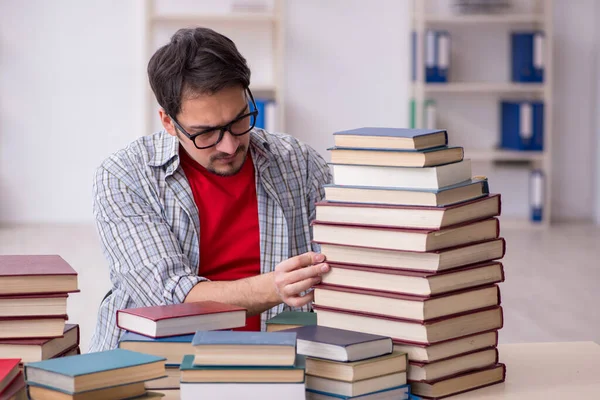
(298, 274)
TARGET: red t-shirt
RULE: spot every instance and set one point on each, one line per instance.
(229, 231)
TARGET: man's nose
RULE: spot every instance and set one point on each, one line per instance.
(228, 144)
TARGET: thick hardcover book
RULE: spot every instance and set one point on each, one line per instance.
(391, 138)
(210, 338)
(395, 157)
(31, 350)
(23, 274)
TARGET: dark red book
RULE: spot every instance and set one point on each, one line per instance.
(415, 283)
(33, 304)
(409, 331)
(415, 308)
(16, 390)
(394, 238)
(413, 217)
(33, 350)
(23, 274)
(434, 371)
(181, 319)
(35, 326)
(9, 369)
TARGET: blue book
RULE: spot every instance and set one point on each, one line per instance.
(394, 393)
(437, 56)
(75, 374)
(536, 195)
(527, 56)
(522, 125)
(260, 118)
(244, 348)
(340, 344)
(173, 348)
(391, 138)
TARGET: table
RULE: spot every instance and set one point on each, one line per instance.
(569, 370)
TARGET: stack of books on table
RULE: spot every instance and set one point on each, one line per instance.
(113, 374)
(243, 365)
(348, 364)
(33, 308)
(413, 242)
(167, 331)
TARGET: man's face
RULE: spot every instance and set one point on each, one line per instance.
(202, 112)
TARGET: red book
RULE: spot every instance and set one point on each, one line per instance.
(33, 350)
(20, 305)
(35, 326)
(23, 274)
(9, 369)
(181, 319)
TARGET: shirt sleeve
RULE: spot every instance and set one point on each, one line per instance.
(145, 258)
(319, 174)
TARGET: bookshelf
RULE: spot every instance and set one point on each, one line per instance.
(523, 14)
(255, 26)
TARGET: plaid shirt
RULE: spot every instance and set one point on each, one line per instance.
(149, 226)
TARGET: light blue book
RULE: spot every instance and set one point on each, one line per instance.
(173, 348)
(394, 393)
(391, 138)
(75, 374)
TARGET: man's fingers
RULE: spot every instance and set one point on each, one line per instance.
(305, 273)
(300, 301)
(300, 261)
(298, 287)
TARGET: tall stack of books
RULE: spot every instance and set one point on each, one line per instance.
(167, 331)
(113, 374)
(243, 365)
(348, 364)
(33, 309)
(412, 239)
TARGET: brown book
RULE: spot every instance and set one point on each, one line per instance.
(396, 158)
(23, 305)
(32, 327)
(394, 238)
(448, 348)
(460, 383)
(408, 216)
(424, 284)
(427, 372)
(32, 350)
(23, 274)
(414, 308)
(438, 260)
(428, 332)
(127, 391)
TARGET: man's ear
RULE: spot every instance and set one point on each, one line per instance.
(167, 122)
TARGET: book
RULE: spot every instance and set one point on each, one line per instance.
(463, 191)
(522, 125)
(357, 370)
(428, 332)
(527, 56)
(244, 348)
(418, 217)
(172, 348)
(396, 158)
(170, 381)
(181, 319)
(246, 391)
(437, 56)
(242, 374)
(92, 371)
(31, 350)
(402, 177)
(391, 138)
(24, 274)
(39, 327)
(460, 383)
(437, 260)
(355, 388)
(291, 319)
(16, 390)
(420, 372)
(415, 308)
(132, 390)
(339, 344)
(449, 348)
(394, 393)
(9, 370)
(23, 305)
(394, 238)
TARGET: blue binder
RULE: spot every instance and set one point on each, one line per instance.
(437, 56)
(527, 56)
(522, 125)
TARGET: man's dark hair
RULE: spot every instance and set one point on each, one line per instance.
(196, 61)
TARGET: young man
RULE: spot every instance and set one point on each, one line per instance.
(211, 208)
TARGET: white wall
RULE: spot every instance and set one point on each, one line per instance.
(70, 94)
(72, 79)
(597, 113)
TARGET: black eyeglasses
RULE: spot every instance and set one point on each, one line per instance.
(211, 137)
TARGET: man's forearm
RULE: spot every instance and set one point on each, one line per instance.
(256, 294)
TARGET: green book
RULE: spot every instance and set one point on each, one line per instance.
(291, 319)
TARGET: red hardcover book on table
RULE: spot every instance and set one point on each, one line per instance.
(181, 319)
(9, 370)
(25, 274)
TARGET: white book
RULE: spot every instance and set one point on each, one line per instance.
(246, 391)
(402, 177)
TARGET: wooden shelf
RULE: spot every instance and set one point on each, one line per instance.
(504, 155)
(231, 17)
(483, 88)
(484, 19)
